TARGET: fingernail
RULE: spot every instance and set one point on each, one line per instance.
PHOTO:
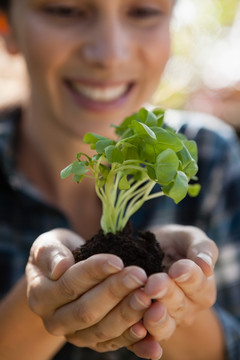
(138, 333)
(55, 262)
(206, 258)
(131, 281)
(113, 266)
(163, 318)
(136, 336)
(160, 294)
(182, 278)
(137, 303)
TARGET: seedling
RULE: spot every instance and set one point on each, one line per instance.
(147, 154)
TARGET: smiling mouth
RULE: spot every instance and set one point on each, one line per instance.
(100, 93)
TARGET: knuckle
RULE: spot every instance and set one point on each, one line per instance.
(179, 312)
(39, 252)
(128, 316)
(66, 288)
(113, 292)
(107, 346)
(101, 334)
(82, 314)
(53, 328)
(35, 305)
(93, 268)
(35, 300)
(39, 249)
(75, 339)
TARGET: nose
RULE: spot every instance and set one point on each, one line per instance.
(107, 45)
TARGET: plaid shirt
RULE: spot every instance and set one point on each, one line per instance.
(24, 215)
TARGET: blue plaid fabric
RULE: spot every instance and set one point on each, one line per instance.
(24, 215)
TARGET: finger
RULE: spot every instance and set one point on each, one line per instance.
(94, 304)
(158, 322)
(129, 337)
(205, 255)
(52, 252)
(148, 348)
(188, 242)
(46, 295)
(193, 282)
(162, 288)
(116, 325)
(202, 250)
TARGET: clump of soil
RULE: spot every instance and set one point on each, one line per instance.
(143, 250)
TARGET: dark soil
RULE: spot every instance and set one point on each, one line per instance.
(143, 250)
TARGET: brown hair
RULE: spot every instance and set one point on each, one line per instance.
(4, 5)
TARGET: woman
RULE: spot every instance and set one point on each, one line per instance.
(91, 63)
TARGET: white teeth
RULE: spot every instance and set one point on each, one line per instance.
(99, 93)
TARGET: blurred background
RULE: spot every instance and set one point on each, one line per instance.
(203, 72)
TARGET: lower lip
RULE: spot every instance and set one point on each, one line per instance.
(94, 105)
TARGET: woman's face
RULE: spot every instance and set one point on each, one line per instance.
(91, 62)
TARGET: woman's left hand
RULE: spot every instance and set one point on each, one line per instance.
(187, 288)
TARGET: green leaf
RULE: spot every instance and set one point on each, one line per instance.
(192, 148)
(166, 166)
(151, 173)
(159, 113)
(77, 178)
(67, 171)
(96, 157)
(102, 144)
(130, 152)
(123, 183)
(127, 133)
(148, 153)
(79, 168)
(147, 117)
(193, 190)
(80, 154)
(104, 170)
(92, 138)
(191, 169)
(143, 130)
(138, 175)
(124, 126)
(187, 158)
(178, 189)
(113, 154)
(167, 139)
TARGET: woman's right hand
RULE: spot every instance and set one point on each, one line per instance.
(96, 303)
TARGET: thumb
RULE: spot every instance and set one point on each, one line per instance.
(205, 255)
(52, 254)
(60, 263)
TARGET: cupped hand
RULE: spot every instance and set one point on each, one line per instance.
(185, 290)
(96, 303)
(187, 242)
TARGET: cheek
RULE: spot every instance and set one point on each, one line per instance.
(42, 52)
(156, 55)
(160, 53)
